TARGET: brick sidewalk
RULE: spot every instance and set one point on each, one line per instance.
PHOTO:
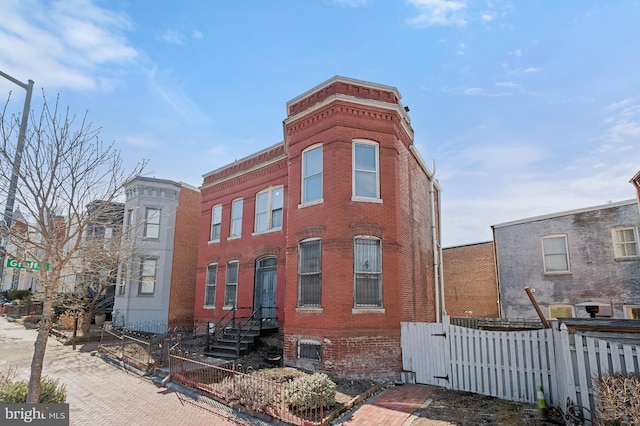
(391, 408)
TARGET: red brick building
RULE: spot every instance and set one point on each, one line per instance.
(337, 227)
(472, 281)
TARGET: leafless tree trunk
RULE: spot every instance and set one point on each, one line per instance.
(65, 168)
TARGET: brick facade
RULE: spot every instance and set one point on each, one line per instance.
(355, 339)
(472, 283)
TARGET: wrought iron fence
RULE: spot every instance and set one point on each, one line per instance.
(130, 347)
(238, 386)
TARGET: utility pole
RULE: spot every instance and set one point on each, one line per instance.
(17, 161)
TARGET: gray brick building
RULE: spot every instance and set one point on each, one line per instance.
(590, 254)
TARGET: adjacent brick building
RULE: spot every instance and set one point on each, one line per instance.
(334, 231)
(156, 285)
(472, 283)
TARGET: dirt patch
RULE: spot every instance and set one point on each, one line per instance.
(449, 407)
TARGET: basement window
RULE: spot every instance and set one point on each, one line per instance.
(309, 349)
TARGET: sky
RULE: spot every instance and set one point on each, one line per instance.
(524, 107)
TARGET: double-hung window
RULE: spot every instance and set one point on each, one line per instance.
(367, 272)
(625, 242)
(269, 209)
(216, 223)
(210, 289)
(148, 276)
(151, 223)
(231, 287)
(555, 251)
(312, 175)
(366, 171)
(236, 218)
(310, 273)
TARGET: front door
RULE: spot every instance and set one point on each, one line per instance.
(265, 288)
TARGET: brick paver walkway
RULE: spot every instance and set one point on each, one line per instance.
(391, 408)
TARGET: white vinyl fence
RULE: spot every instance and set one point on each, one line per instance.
(512, 364)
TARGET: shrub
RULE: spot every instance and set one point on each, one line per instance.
(249, 392)
(32, 319)
(618, 399)
(304, 391)
(66, 320)
(22, 295)
(16, 392)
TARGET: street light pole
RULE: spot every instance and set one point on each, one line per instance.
(17, 160)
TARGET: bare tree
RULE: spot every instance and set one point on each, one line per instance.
(65, 167)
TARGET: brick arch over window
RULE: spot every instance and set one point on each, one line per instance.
(233, 256)
(366, 229)
(313, 231)
(266, 251)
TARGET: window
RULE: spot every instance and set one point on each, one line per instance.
(210, 288)
(367, 263)
(152, 223)
(561, 311)
(269, 209)
(625, 242)
(366, 179)
(309, 273)
(148, 276)
(122, 288)
(216, 220)
(632, 311)
(236, 218)
(556, 254)
(312, 175)
(231, 287)
(309, 349)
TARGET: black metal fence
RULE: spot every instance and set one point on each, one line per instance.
(236, 386)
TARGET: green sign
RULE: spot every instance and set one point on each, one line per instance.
(31, 264)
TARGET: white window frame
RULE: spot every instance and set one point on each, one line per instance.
(362, 273)
(546, 255)
(152, 223)
(621, 248)
(235, 230)
(211, 285)
(628, 314)
(144, 279)
(229, 283)
(271, 209)
(216, 223)
(307, 178)
(355, 171)
(553, 306)
(301, 275)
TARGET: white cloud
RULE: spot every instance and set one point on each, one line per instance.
(517, 52)
(487, 17)
(439, 13)
(173, 36)
(73, 44)
(532, 70)
(197, 35)
(511, 84)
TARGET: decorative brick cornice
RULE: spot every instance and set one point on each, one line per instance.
(233, 256)
(213, 259)
(246, 164)
(247, 177)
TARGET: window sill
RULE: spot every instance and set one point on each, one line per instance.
(227, 307)
(303, 310)
(210, 242)
(146, 294)
(366, 199)
(627, 259)
(357, 311)
(267, 231)
(208, 307)
(311, 203)
(234, 237)
(558, 273)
